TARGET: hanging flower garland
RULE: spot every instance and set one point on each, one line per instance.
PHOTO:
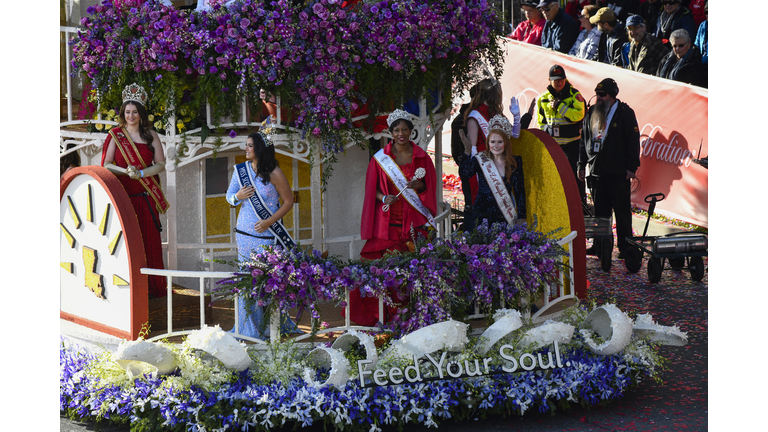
(322, 59)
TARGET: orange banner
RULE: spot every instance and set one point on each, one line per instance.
(672, 118)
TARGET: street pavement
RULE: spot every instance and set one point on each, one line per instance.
(679, 402)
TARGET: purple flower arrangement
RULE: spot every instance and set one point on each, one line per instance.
(438, 279)
(312, 53)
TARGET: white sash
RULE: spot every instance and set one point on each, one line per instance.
(481, 121)
(504, 200)
(389, 167)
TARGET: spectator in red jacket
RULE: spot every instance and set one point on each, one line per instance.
(697, 9)
(530, 30)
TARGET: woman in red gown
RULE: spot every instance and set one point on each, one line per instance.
(391, 230)
(133, 152)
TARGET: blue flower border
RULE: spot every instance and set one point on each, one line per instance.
(243, 405)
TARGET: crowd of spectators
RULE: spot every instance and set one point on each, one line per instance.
(665, 38)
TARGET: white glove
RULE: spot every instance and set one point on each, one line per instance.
(514, 108)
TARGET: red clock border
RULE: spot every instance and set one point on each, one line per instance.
(134, 246)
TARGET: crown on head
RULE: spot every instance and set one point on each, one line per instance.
(396, 115)
(266, 131)
(501, 123)
(135, 93)
(481, 72)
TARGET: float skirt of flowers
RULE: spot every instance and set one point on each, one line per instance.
(281, 389)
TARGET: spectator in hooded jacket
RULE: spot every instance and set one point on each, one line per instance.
(701, 39)
(684, 62)
(650, 11)
(622, 8)
(613, 38)
(588, 41)
(530, 30)
(673, 17)
(645, 51)
(560, 31)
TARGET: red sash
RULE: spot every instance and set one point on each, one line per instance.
(131, 154)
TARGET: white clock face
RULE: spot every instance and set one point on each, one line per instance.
(95, 271)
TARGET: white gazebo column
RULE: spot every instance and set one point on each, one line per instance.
(439, 164)
(316, 195)
(170, 188)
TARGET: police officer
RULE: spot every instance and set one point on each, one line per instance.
(610, 146)
(560, 113)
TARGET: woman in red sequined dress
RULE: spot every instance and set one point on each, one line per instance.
(133, 152)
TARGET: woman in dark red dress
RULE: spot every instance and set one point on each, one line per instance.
(133, 152)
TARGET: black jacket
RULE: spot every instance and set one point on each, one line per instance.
(561, 33)
(611, 44)
(692, 71)
(620, 151)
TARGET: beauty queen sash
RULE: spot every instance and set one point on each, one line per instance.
(481, 121)
(261, 210)
(131, 154)
(504, 200)
(389, 167)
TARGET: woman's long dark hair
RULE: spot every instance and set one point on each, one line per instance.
(265, 157)
(145, 127)
(488, 92)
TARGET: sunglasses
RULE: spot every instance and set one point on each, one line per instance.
(601, 94)
(680, 45)
(544, 9)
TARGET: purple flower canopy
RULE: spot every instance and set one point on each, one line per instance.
(253, 45)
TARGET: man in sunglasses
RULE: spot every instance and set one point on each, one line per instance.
(610, 148)
(673, 17)
(560, 31)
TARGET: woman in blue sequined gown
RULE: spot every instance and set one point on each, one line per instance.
(252, 233)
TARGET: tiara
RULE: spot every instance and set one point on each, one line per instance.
(396, 115)
(266, 131)
(135, 93)
(479, 73)
(501, 123)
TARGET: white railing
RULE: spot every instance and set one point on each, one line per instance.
(274, 330)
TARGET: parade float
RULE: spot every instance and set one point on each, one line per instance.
(324, 71)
